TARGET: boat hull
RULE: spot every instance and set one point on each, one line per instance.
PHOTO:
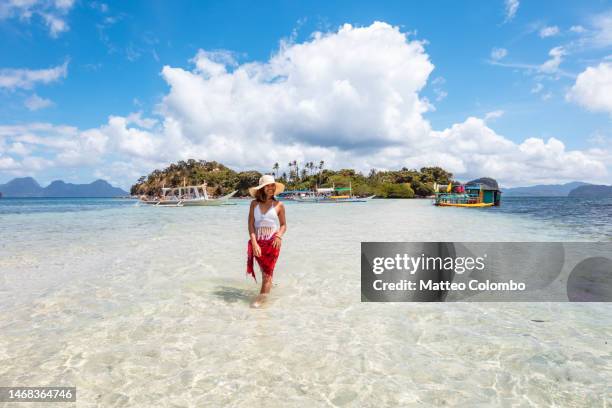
(192, 203)
(475, 205)
(332, 200)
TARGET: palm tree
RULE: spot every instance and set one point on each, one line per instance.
(321, 164)
(275, 168)
(297, 170)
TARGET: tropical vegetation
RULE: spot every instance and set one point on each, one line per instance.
(402, 183)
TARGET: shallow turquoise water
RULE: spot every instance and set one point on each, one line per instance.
(591, 218)
(142, 306)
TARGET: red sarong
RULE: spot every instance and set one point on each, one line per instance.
(268, 257)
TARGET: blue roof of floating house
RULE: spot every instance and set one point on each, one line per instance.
(486, 182)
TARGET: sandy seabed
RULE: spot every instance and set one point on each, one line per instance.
(142, 307)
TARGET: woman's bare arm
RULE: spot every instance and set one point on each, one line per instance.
(251, 222)
(282, 220)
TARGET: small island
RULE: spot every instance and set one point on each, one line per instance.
(220, 179)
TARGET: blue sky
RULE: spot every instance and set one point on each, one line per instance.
(93, 60)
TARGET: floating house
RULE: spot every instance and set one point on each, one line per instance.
(491, 194)
(482, 192)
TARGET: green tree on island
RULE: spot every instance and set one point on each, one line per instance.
(403, 183)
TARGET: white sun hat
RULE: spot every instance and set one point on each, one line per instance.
(264, 181)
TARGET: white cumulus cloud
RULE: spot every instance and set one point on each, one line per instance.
(52, 12)
(8, 163)
(349, 97)
(593, 88)
(494, 115)
(354, 88)
(537, 88)
(498, 53)
(19, 149)
(552, 64)
(35, 102)
(602, 30)
(511, 7)
(11, 78)
(577, 29)
(549, 31)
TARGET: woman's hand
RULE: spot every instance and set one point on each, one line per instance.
(277, 242)
(256, 249)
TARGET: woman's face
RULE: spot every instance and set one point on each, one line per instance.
(270, 189)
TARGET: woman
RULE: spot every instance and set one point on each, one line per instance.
(267, 226)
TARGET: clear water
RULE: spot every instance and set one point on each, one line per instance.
(592, 218)
(142, 306)
(59, 205)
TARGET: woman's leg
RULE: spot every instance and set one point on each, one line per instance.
(266, 284)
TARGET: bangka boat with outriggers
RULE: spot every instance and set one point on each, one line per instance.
(479, 193)
(294, 195)
(323, 195)
(187, 196)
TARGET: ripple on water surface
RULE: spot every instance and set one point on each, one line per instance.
(138, 306)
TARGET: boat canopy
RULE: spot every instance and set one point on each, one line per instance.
(196, 191)
(286, 192)
(487, 183)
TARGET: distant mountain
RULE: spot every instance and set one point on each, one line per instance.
(28, 187)
(543, 190)
(21, 187)
(592, 191)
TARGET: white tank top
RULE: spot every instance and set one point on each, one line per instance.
(266, 224)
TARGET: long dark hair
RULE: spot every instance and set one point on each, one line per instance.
(261, 196)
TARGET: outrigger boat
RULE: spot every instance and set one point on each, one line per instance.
(187, 196)
(323, 195)
(479, 193)
(294, 195)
